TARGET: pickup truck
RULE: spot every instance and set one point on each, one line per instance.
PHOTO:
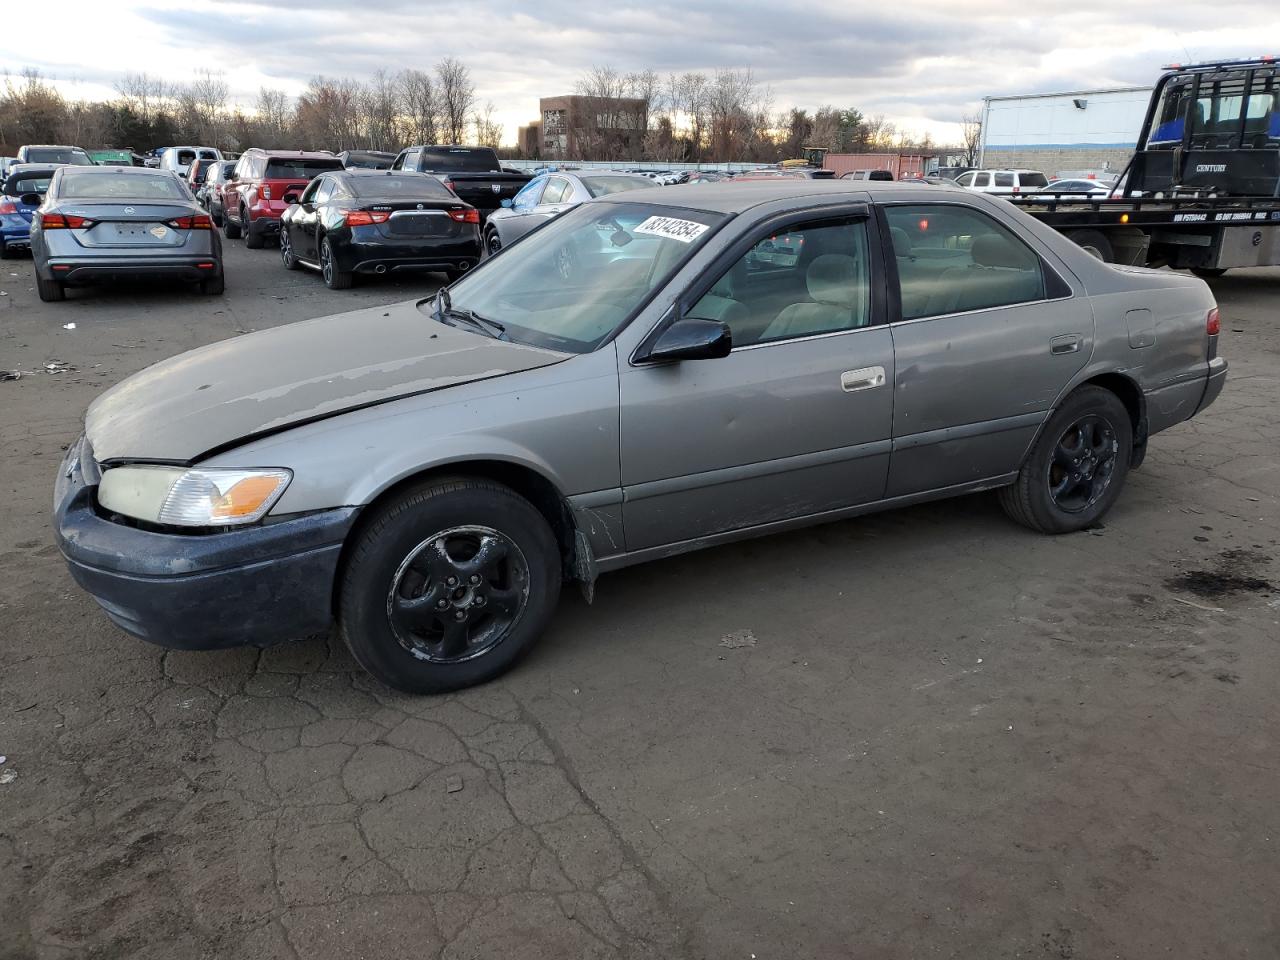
(473, 173)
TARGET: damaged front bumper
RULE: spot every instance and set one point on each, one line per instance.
(251, 586)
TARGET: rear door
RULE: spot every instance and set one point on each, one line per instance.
(988, 336)
(795, 421)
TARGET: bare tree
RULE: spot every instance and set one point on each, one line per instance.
(488, 130)
(457, 97)
(274, 119)
(971, 137)
(379, 103)
(420, 108)
(144, 94)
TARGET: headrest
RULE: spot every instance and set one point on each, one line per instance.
(833, 278)
(901, 241)
(993, 250)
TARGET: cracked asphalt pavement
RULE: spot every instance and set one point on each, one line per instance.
(923, 733)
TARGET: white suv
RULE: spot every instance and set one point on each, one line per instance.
(1005, 182)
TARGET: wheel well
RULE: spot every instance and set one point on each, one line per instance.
(1130, 395)
(530, 484)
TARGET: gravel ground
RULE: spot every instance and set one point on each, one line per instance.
(923, 733)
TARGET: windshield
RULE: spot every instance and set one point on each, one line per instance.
(107, 186)
(59, 155)
(289, 169)
(462, 159)
(404, 185)
(584, 274)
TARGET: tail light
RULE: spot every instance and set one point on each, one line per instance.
(466, 216)
(199, 221)
(8, 206)
(365, 218)
(63, 221)
(266, 191)
(1213, 323)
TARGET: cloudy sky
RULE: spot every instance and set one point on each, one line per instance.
(921, 64)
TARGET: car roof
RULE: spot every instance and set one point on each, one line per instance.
(71, 168)
(736, 196)
(50, 146)
(295, 154)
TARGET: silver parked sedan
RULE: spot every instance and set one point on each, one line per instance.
(549, 195)
(107, 223)
(653, 373)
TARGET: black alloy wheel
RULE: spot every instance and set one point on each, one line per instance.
(458, 594)
(1084, 460)
(334, 278)
(1076, 467)
(286, 250)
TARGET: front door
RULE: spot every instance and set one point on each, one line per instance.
(795, 421)
(307, 218)
(989, 336)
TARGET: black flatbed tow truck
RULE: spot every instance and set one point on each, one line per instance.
(1202, 191)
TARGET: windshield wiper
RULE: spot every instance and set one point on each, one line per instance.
(490, 327)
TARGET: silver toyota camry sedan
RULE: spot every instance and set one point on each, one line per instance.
(652, 373)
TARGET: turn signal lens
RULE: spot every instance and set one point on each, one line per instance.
(466, 216)
(1213, 323)
(365, 218)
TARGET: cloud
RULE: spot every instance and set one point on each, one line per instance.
(922, 65)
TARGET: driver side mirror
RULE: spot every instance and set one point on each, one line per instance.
(291, 198)
(31, 199)
(691, 339)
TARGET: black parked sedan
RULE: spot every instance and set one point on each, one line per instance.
(372, 221)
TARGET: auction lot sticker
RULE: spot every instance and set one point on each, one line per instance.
(686, 231)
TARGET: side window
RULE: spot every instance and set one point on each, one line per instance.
(528, 195)
(323, 188)
(965, 179)
(557, 187)
(952, 259)
(242, 168)
(1004, 179)
(309, 194)
(982, 179)
(810, 279)
(412, 160)
(398, 162)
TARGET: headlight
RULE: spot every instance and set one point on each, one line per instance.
(199, 497)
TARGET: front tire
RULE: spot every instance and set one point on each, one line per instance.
(1076, 468)
(334, 278)
(492, 242)
(448, 585)
(287, 258)
(50, 291)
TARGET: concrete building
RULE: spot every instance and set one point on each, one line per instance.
(592, 128)
(1094, 130)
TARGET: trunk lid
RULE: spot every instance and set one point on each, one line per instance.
(126, 224)
(264, 382)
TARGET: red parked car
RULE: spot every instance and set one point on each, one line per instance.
(253, 197)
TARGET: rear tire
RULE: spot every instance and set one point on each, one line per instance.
(214, 286)
(51, 291)
(334, 278)
(1208, 273)
(254, 241)
(215, 215)
(1089, 437)
(407, 552)
(1094, 243)
(5, 252)
(230, 229)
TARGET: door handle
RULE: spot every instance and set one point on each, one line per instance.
(1067, 344)
(864, 378)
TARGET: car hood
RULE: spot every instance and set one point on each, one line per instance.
(261, 383)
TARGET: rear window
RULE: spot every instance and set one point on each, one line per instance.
(1033, 180)
(106, 186)
(56, 155)
(17, 186)
(402, 186)
(186, 156)
(369, 161)
(603, 186)
(462, 159)
(279, 168)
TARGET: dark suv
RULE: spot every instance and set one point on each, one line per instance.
(254, 195)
